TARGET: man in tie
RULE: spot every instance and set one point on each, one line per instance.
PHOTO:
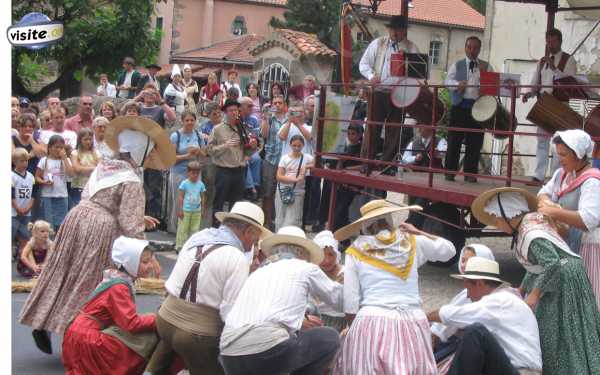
(463, 73)
(375, 66)
(556, 64)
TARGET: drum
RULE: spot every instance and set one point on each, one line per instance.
(491, 114)
(553, 115)
(417, 100)
(592, 127)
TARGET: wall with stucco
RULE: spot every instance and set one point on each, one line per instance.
(257, 18)
(164, 10)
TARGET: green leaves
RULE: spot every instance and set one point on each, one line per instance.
(98, 34)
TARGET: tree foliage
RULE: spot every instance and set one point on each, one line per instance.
(97, 35)
(478, 5)
(319, 17)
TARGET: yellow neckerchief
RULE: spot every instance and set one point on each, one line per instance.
(401, 272)
(387, 240)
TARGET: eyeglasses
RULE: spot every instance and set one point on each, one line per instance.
(87, 104)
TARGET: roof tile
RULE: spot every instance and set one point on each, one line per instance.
(237, 49)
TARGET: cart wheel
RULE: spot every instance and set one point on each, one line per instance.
(449, 213)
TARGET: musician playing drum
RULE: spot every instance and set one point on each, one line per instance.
(375, 66)
(556, 64)
(465, 72)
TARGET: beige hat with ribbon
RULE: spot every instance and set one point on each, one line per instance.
(479, 268)
(370, 210)
(248, 213)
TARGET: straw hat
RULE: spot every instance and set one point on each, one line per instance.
(478, 205)
(369, 211)
(248, 213)
(479, 268)
(293, 236)
(162, 158)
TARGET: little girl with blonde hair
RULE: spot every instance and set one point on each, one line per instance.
(37, 250)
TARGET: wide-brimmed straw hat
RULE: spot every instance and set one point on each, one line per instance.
(248, 213)
(478, 205)
(479, 268)
(164, 155)
(292, 235)
(370, 210)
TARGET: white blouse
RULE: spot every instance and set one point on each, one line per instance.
(589, 200)
(366, 285)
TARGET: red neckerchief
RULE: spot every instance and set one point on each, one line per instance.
(590, 173)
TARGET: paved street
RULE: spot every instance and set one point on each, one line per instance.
(435, 285)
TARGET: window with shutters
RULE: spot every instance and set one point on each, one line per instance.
(435, 48)
(273, 73)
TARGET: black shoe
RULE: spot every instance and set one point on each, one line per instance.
(449, 177)
(470, 179)
(42, 340)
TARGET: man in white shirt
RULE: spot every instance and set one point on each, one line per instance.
(58, 128)
(465, 72)
(202, 288)
(417, 151)
(500, 332)
(266, 331)
(556, 64)
(375, 66)
(106, 88)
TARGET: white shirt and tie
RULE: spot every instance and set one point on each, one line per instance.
(473, 78)
(367, 62)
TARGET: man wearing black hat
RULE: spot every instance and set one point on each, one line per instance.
(151, 77)
(229, 144)
(375, 66)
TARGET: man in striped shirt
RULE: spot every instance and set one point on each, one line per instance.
(267, 331)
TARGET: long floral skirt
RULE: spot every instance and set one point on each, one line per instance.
(382, 341)
(74, 269)
(569, 323)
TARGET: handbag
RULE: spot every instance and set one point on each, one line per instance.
(287, 192)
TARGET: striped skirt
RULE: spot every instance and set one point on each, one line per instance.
(590, 254)
(382, 341)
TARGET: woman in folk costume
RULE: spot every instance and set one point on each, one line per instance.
(175, 93)
(335, 271)
(556, 284)
(191, 88)
(112, 205)
(108, 336)
(572, 197)
(390, 333)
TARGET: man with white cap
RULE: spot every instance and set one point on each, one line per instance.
(500, 332)
(202, 288)
(262, 334)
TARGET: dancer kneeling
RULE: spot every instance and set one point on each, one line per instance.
(556, 283)
(499, 331)
(108, 336)
(390, 332)
(264, 333)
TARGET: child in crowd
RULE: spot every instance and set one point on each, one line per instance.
(189, 204)
(22, 198)
(37, 250)
(291, 172)
(51, 174)
(84, 160)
